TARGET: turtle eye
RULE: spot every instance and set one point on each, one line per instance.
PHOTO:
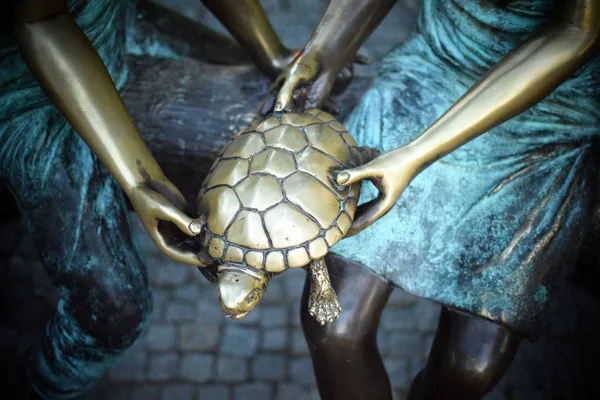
(250, 298)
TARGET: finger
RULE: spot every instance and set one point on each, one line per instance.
(185, 223)
(285, 97)
(350, 176)
(165, 211)
(182, 256)
(368, 213)
(268, 104)
(320, 90)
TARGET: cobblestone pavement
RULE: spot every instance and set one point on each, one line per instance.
(190, 351)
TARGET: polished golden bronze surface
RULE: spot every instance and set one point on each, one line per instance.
(288, 210)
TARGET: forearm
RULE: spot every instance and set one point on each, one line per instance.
(344, 26)
(74, 77)
(247, 22)
(523, 78)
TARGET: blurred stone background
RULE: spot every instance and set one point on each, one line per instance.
(190, 351)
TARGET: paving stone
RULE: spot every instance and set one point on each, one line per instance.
(167, 274)
(398, 372)
(199, 337)
(314, 394)
(299, 346)
(239, 341)
(160, 297)
(197, 367)
(208, 312)
(275, 293)
(294, 313)
(274, 339)
(161, 337)
(399, 319)
(131, 366)
(428, 314)
(301, 371)
(427, 341)
(116, 392)
(144, 241)
(401, 298)
(294, 283)
(292, 391)
(398, 394)
(178, 391)
(160, 300)
(252, 391)
(231, 369)
(144, 392)
(272, 316)
(214, 392)
(268, 367)
(415, 365)
(94, 394)
(189, 292)
(163, 366)
(401, 344)
(180, 312)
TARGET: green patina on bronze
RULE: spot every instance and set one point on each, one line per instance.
(485, 228)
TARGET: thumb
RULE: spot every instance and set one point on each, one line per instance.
(186, 224)
(350, 176)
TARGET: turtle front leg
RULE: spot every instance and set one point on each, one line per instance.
(323, 303)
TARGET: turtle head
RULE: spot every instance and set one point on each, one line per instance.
(240, 289)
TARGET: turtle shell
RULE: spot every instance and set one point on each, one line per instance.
(270, 198)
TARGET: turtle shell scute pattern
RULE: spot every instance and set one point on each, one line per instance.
(270, 197)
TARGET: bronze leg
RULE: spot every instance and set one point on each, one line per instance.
(345, 357)
(468, 357)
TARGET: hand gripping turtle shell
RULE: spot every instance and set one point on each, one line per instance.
(271, 203)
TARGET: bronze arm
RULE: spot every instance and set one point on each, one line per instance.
(520, 80)
(247, 22)
(72, 74)
(344, 26)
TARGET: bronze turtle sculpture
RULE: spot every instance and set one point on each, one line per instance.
(270, 203)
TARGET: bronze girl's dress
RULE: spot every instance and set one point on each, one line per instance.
(76, 213)
(494, 227)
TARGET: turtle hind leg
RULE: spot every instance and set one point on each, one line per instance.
(323, 303)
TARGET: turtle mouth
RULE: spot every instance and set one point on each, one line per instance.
(236, 317)
(239, 290)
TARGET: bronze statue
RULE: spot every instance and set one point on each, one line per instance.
(487, 224)
(74, 52)
(271, 203)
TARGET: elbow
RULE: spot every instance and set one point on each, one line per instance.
(576, 28)
(580, 14)
(30, 11)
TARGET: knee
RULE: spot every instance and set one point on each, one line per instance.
(114, 313)
(479, 375)
(338, 336)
